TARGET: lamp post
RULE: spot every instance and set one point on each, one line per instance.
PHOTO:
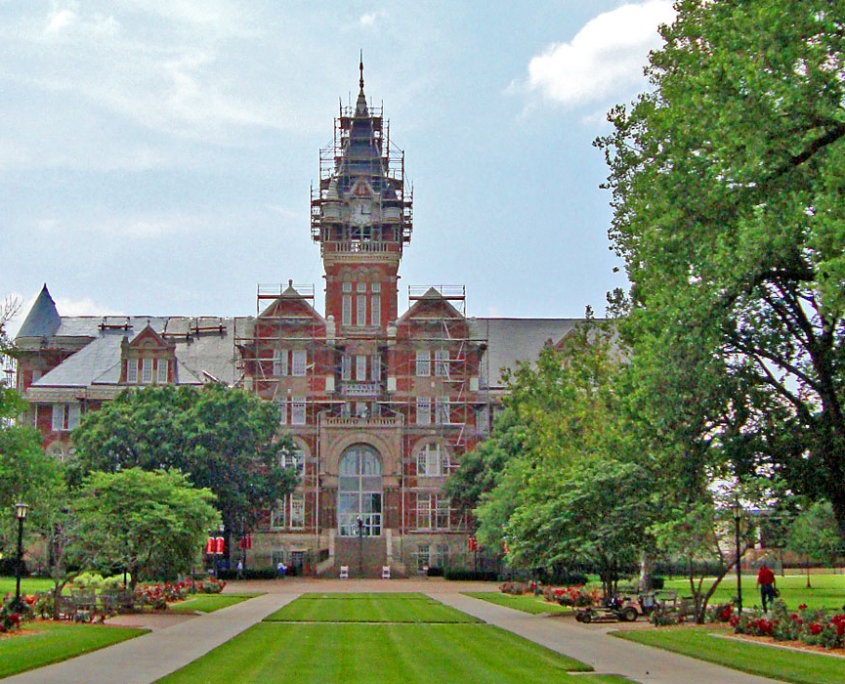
(219, 550)
(20, 513)
(737, 511)
(360, 547)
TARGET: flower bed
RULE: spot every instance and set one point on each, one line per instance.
(810, 627)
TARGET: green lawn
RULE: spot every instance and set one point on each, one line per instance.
(368, 608)
(379, 638)
(29, 585)
(375, 653)
(789, 666)
(208, 603)
(536, 605)
(828, 591)
(42, 643)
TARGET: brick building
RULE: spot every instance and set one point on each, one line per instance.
(381, 404)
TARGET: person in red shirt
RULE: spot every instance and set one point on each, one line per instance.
(766, 582)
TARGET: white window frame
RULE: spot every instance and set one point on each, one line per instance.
(132, 371)
(423, 411)
(162, 371)
(432, 460)
(146, 371)
(441, 363)
(283, 412)
(66, 416)
(298, 411)
(361, 367)
(442, 411)
(346, 367)
(346, 311)
(375, 308)
(295, 460)
(361, 310)
(375, 367)
(299, 363)
(280, 363)
(423, 365)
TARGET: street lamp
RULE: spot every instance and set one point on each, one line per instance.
(737, 510)
(360, 547)
(20, 513)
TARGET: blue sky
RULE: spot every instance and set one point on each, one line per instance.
(156, 156)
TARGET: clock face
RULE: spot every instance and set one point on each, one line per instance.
(360, 212)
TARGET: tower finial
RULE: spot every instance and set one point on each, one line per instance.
(361, 69)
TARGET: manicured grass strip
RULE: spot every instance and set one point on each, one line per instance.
(378, 654)
(826, 592)
(29, 585)
(605, 679)
(208, 603)
(409, 607)
(43, 643)
(789, 666)
(536, 605)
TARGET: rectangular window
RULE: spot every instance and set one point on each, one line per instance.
(65, 417)
(423, 511)
(361, 287)
(280, 363)
(346, 315)
(283, 411)
(375, 288)
(375, 309)
(361, 310)
(297, 411)
(432, 461)
(441, 513)
(295, 460)
(132, 371)
(297, 512)
(423, 558)
(423, 364)
(423, 411)
(300, 362)
(442, 407)
(146, 371)
(441, 363)
(347, 287)
(361, 368)
(161, 371)
(346, 367)
(376, 368)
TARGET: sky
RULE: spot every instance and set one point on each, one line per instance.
(157, 156)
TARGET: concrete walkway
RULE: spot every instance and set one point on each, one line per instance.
(173, 643)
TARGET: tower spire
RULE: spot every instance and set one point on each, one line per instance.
(361, 69)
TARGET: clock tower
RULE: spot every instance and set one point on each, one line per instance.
(361, 215)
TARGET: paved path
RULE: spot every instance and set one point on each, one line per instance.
(174, 642)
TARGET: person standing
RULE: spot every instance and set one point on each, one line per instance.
(766, 582)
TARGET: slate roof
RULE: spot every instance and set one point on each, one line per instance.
(43, 319)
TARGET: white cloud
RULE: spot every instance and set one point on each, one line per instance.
(603, 61)
(82, 307)
(370, 19)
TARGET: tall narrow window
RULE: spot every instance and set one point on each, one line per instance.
(280, 363)
(423, 364)
(146, 371)
(297, 511)
(360, 367)
(441, 363)
(132, 371)
(346, 313)
(300, 361)
(283, 412)
(442, 414)
(376, 368)
(375, 305)
(423, 411)
(297, 411)
(361, 310)
(346, 367)
(161, 371)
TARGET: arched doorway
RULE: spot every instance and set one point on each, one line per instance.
(360, 492)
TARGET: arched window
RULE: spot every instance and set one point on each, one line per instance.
(359, 492)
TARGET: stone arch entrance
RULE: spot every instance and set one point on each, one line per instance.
(360, 492)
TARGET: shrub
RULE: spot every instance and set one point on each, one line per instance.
(462, 575)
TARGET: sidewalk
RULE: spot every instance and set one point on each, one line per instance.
(174, 643)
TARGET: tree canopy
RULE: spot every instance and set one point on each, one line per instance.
(727, 190)
(153, 524)
(222, 439)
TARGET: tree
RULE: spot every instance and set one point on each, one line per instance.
(223, 439)
(814, 536)
(568, 485)
(152, 524)
(727, 187)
